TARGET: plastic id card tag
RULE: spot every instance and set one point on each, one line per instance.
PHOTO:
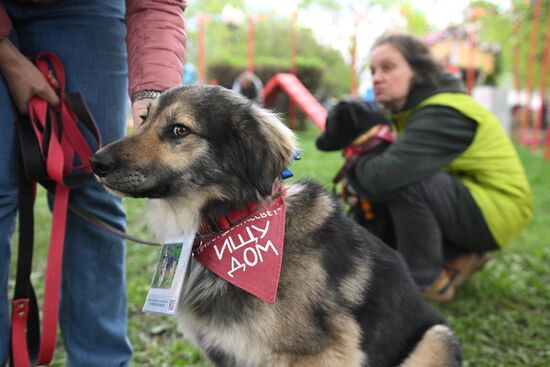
(165, 289)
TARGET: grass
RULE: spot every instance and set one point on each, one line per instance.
(502, 315)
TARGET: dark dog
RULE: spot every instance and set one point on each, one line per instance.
(344, 299)
(350, 125)
(345, 122)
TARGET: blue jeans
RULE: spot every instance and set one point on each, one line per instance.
(89, 37)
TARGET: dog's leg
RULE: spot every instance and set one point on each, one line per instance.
(333, 358)
(437, 348)
(344, 351)
(219, 358)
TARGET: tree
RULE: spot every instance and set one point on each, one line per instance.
(417, 23)
(272, 46)
(211, 6)
(512, 31)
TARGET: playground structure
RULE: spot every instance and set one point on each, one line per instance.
(288, 83)
(458, 47)
(298, 96)
(529, 133)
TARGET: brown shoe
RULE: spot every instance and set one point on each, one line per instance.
(461, 269)
(442, 289)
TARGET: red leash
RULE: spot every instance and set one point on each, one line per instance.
(382, 133)
(59, 141)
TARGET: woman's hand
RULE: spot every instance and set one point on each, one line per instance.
(139, 110)
(24, 79)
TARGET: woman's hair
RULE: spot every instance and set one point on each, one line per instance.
(417, 54)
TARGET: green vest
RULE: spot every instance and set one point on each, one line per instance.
(490, 168)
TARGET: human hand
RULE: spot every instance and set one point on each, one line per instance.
(139, 110)
(23, 78)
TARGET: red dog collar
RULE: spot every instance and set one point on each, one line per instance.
(363, 144)
(233, 217)
(248, 249)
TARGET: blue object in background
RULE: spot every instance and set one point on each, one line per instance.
(190, 74)
(370, 99)
(369, 95)
(286, 173)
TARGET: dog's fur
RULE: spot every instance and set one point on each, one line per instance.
(345, 299)
(346, 121)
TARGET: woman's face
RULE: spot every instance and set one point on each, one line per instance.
(391, 76)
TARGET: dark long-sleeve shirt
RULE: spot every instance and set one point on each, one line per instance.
(435, 135)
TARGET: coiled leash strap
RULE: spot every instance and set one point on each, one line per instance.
(50, 142)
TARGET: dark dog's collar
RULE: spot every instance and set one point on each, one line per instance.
(222, 223)
(363, 144)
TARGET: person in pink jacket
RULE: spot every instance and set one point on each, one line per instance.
(113, 51)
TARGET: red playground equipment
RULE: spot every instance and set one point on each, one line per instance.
(298, 94)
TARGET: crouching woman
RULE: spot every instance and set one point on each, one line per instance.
(453, 182)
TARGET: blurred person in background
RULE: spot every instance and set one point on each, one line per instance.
(249, 85)
(452, 180)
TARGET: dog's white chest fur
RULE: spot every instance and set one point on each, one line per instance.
(172, 220)
(169, 220)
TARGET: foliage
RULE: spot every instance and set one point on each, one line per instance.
(273, 36)
(211, 6)
(417, 23)
(512, 31)
(309, 73)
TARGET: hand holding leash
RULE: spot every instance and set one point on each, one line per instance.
(49, 141)
(24, 79)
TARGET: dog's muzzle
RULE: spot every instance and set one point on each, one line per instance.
(102, 164)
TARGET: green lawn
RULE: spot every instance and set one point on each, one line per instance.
(502, 315)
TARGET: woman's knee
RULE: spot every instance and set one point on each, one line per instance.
(421, 189)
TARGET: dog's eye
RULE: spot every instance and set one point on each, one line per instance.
(180, 131)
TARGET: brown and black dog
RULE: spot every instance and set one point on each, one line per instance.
(344, 298)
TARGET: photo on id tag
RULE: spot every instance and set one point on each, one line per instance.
(165, 289)
(165, 270)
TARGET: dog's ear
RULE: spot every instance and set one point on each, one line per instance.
(268, 151)
(340, 128)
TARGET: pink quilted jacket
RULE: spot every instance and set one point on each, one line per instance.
(156, 42)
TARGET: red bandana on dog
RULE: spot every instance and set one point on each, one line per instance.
(249, 253)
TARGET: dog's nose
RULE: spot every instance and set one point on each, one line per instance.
(102, 164)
